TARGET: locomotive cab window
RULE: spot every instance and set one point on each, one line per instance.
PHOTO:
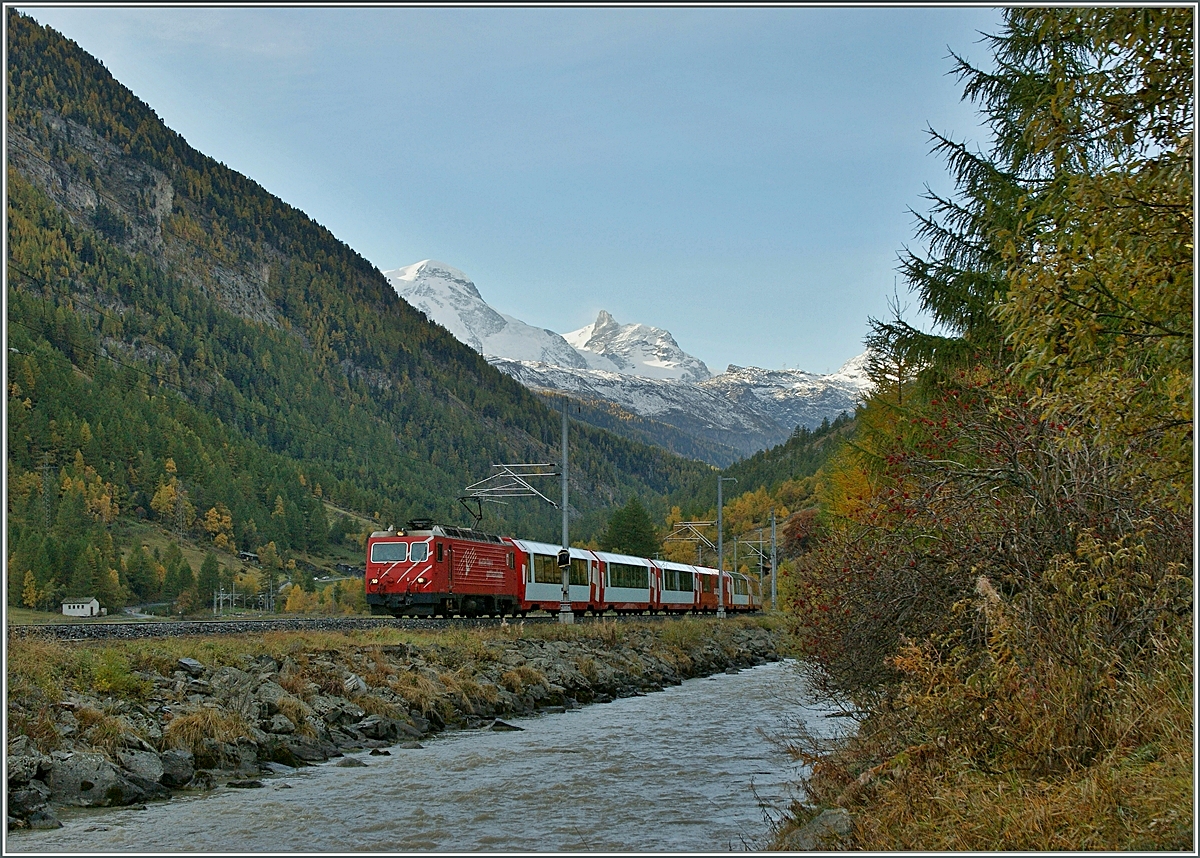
(420, 551)
(510, 560)
(439, 552)
(389, 552)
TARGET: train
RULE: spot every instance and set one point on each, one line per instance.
(434, 570)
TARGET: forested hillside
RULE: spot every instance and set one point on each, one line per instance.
(784, 480)
(186, 348)
(1001, 591)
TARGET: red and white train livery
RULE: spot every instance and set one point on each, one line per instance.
(435, 570)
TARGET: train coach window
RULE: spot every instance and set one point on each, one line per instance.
(627, 575)
(677, 580)
(420, 551)
(389, 552)
(547, 571)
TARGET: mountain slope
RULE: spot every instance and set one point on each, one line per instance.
(692, 409)
(794, 397)
(185, 346)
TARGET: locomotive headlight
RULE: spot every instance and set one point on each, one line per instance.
(374, 580)
(420, 580)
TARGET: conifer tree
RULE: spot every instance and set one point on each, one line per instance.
(630, 531)
(139, 571)
(1053, 403)
(208, 580)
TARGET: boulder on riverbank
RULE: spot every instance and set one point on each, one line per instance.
(186, 723)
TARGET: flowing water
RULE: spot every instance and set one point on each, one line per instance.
(694, 768)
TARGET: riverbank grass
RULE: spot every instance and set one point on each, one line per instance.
(43, 672)
(919, 777)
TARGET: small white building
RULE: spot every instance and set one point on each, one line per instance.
(82, 606)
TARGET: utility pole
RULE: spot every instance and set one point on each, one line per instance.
(774, 561)
(565, 614)
(721, 547)
(760, 563)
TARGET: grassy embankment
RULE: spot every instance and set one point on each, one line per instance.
(42, 672)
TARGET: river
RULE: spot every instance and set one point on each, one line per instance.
(694, 768)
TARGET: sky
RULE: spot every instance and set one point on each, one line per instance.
(742, 177)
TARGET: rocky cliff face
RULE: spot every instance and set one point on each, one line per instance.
(131, 204)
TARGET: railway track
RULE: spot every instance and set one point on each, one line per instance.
(183, 628)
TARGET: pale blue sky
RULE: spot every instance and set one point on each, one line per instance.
(740, 177)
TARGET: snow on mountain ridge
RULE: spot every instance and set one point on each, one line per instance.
(448, 297)
(637, 367)
(637, 349)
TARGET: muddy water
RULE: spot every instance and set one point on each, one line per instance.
(693, 768)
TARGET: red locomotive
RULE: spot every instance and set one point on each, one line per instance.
(431, 570)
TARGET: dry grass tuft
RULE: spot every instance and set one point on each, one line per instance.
(521, 677)
(38, 725)
(418, 690)
(189, 731)
(684, 634)
(296, 711)
(36, 665)
(587, 667)
(379, 669)
(372, 704)
(100, 730)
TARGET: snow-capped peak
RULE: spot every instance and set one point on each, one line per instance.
(427, 272)
(449, 297)
(639, 350)
(638, 368)
(853, 373)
